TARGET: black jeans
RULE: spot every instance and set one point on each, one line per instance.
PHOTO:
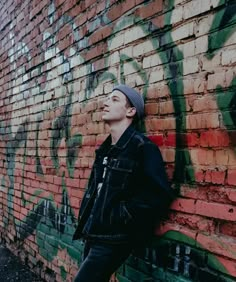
(101, 261)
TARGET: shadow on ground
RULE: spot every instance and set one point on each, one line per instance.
(12, 269)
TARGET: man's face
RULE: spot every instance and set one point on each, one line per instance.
(117, 108)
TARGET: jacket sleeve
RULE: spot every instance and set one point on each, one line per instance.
(153, 195)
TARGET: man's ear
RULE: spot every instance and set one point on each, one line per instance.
(131, 112)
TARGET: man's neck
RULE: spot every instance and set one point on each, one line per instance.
(117, 129)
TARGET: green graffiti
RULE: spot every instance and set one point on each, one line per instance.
(56, 228)
(63, 273)
(179, 237)
(12, 146)
(53, 226)
(3, 184)
(39, 169)
(72, 151)
(223, 26)
(60, 130)
(227, 104)
(185, 172)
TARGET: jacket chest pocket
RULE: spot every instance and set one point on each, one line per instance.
(120, 172)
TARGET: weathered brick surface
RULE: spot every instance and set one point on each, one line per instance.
(58, 61)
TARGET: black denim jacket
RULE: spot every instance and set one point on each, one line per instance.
(134, 196)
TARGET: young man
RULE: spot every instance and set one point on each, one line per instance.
(128, 191)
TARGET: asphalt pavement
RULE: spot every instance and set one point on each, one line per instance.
(12, 269)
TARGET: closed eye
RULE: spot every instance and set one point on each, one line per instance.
(115, 98)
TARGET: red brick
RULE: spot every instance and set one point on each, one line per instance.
(17, 194)
(76, 10)
(164, 228)
(89, 140)
(218, 177)
(81, 19)
(199, 192)
(202, 157)
(214, 138)
(89, 3)
(220, 245)
(114, 12)
(168, 123)
(166, 107)
(151, 9)
(232, 157)
(67, 5)
(79, 173)
(232, 135)
(35, 183)
(94, 52)
(157, 139)
(168, 155)
(229, 265)
(190, 139)
(231, 178)
(170, 140)
(222, 157)
(127, 5)
(228, 228)
(231, 194)
(205, 103)
(216, 210)
(53, 188)
(75, 202)
(31, 175)
(57, 180)
(101, 6)
(100, 34)
(206, 225)
(188, 88)
(219, 194)
(199, 176)
(216, 79)
(91, 13)
(64, 31)
(193, 222)
(83, 183)
(184, 205)
(202, 121)
(151, 108)
(72, 182)
(156, 92)
(77, 193)
(158, 21)
(90, 106)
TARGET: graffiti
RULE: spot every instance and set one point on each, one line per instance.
(176, 258)
(224, 22)
(222, 28)
(42, 150)
(53, 220)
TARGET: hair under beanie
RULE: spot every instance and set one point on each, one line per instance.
(134, 97)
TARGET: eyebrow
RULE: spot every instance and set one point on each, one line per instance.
(114, 96)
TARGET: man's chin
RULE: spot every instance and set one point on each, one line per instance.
(104, 119)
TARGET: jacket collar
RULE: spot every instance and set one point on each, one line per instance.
(121, 143)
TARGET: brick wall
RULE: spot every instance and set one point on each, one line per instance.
(58, 60)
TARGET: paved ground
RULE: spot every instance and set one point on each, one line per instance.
(11, 268)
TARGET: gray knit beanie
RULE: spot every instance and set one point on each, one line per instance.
(134, 97)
